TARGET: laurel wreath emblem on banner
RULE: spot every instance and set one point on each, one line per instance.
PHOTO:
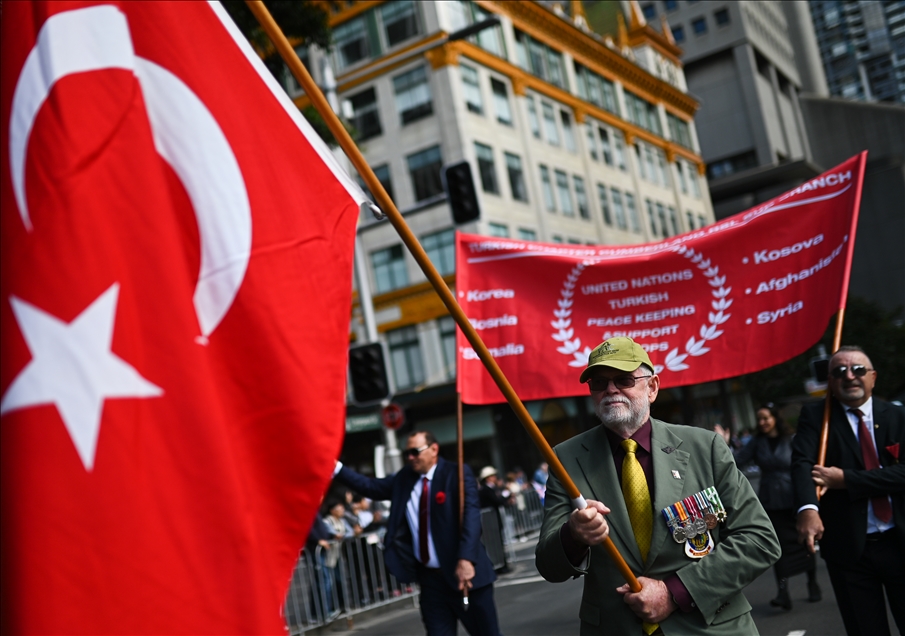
(674, 361)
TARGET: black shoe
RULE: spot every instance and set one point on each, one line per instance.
(814, 594)
(782, 599)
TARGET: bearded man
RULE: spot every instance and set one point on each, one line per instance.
(684, 518)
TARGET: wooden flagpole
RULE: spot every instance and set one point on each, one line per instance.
(843, 295)
(827, 405)
(411, 242)
(460, 443)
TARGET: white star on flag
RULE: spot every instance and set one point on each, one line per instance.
(73, 367)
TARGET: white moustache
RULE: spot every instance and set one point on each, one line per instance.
(618, 400)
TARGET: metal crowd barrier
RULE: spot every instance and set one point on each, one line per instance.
(351, 577)
(340, 582)
(520, 521)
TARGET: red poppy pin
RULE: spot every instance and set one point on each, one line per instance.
(440, 497)
(894, 451)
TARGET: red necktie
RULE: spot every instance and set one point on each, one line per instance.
(423, 520)
(882, 509)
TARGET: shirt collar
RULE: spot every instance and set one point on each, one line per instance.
(642, 436)
(430, 473)
(866, 408)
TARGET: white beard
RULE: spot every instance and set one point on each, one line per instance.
(623, 420)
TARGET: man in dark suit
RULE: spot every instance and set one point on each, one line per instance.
(860, 518)
(424, 542)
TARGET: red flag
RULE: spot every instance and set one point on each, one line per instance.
(735, 297)
(177, 253)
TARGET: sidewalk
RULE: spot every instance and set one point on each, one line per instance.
(520, 571)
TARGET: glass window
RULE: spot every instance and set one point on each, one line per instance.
(472, 89)
(365, 115)
(683, 182)
(389, 269)
(604, 204)
(650, 11)
(689, 218)
(516, 177)
(441, 249)
(679, 130)
(499, 229)
(699, 26)
(539, 59)
(567, 132)
(671, 5)
(489, 39)
(459, 13)
(618, 210)
(486, 168)
(351, 42)
(651, 217)
(649, 162)
(556, 238)
(605, 144)
(413, 95)
(619, 145)
(550, 124)
(701, 221)
(532, 116)
(721, 17)
(674, 220)
(547, 187)
(424, 169)
(527, 235)
(661, 164)
(400, 21)
(596, 89)
(661, 215)
(639, 157)
(555, 67)
(447, 327)
(592, 140)
(581, 197)
(382, 172)
(565, 197)
(405, 357)
(642, 113)
(678, 33)
(632, 212)
(693, 177)
(501, 102)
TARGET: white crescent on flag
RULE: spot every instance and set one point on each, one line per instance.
(185, 134)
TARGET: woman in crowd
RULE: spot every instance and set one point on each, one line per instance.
(771, 450)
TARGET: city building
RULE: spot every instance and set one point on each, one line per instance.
(571, 136)
(862, 46)
(747, 62)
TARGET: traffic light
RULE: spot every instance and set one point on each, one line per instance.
(368, 373)
(460, 189)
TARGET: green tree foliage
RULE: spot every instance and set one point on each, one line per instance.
(879, 332)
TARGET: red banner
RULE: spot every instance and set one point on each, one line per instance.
(735, 297)
(174, 301)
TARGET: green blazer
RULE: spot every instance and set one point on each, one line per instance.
(746, 544)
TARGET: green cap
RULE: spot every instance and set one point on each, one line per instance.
(616, 353)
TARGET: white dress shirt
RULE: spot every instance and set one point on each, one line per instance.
(411, 514)
(867, 412)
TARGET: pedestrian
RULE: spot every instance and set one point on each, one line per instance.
(684, 518)
(860, 518)
(493, 495)
(771, 450)
(424, 543)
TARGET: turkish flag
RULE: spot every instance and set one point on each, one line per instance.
(176, 272)
(732, 298)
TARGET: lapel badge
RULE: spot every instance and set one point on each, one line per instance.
(667, 449)
(676, 475)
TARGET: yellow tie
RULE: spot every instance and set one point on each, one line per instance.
(637, 500)
(637, 497)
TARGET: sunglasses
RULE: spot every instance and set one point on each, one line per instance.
(412, 453)
(858, 370)
(620, 382)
